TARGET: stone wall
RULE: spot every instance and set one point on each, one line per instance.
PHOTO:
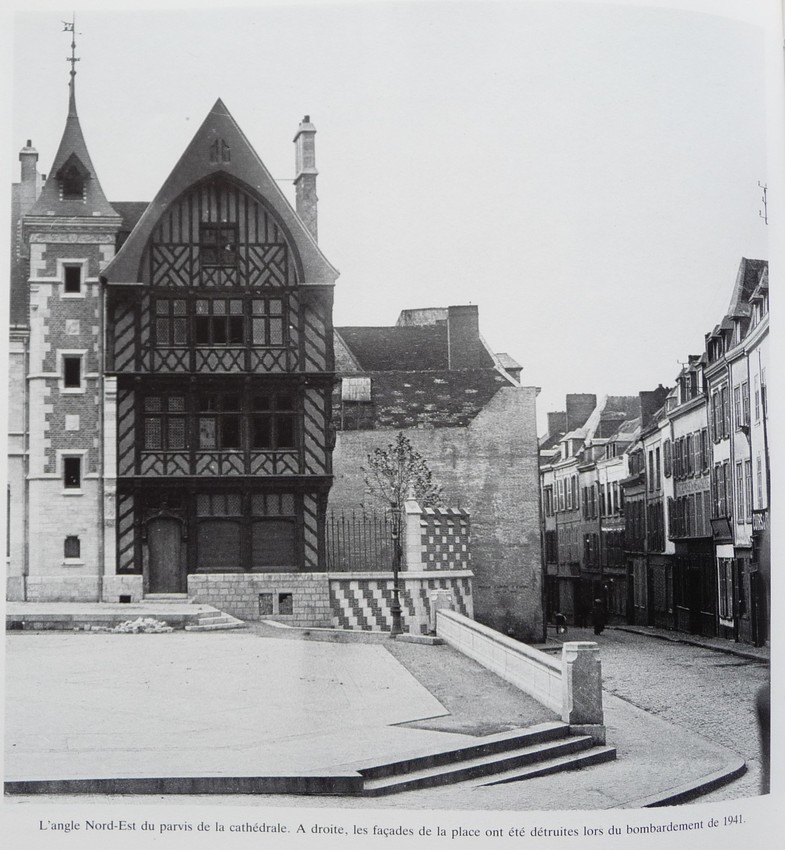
(489, 468)
(571, 686)
(297, 599)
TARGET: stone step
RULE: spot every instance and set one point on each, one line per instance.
(214, 627)
(211, 621)
(481, 766)
(514, 739)
(575, 761)
(166, 597)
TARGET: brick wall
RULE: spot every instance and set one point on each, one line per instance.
(362, 601)
(489, 468)
(445, 539)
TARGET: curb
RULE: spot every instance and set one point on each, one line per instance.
(690, 790)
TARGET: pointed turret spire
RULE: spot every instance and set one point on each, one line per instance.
(72, 188)
(73, 59)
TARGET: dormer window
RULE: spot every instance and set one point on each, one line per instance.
(73, 185)
(72, 176)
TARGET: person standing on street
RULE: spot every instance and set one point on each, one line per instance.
(598, 616)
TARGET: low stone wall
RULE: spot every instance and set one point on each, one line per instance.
(571, 687)
(298, 599)
(338, 600)
(363, 600)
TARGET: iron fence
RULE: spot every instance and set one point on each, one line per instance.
(359, 541)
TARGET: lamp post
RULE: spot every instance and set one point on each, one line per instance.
(395, 608)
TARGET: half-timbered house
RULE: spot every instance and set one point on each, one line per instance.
(219, 344)
(171, 373)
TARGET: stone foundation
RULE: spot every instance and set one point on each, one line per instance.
(82, 588)
(122, 585)
(297, 599)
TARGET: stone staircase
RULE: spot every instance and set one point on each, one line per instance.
(213, 621)
(505, 757)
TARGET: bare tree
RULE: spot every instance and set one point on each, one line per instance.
(395, 471)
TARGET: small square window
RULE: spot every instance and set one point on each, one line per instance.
(72, 372)
(285, 603)
(72, 281)
(72, 473)
(72, 548)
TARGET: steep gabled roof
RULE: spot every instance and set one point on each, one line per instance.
(747, 279)
(415, 348)
(244, 165)
(72, 153)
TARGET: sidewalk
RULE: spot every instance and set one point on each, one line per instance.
(280, 701)
(729, 647)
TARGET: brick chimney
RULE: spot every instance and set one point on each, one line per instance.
(579, 409)
(557, 422)
(31, 180)
(464, 349)
(651, 401)
(305, 174)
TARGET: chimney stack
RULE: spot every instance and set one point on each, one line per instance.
(305, 174)
(557, 422)
(464, 349)
(579, 408)
(30, 183)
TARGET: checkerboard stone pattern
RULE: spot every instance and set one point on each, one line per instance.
(446, 539)
(365, 603)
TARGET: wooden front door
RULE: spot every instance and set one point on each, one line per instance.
(164, 541)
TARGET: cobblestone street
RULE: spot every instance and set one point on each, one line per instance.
(705, 691)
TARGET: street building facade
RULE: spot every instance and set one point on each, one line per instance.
(693, 476)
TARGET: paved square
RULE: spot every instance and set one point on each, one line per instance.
(190, 704)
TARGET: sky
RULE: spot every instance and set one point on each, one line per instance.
(587, 174)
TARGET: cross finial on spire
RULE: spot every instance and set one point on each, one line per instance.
(73, 59)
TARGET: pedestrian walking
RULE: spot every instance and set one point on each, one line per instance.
(598, 616)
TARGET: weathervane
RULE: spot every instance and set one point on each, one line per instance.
(73, 58)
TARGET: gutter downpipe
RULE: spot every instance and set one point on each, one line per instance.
(101, 453)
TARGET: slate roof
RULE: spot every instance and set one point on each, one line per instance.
(412, 384)
(130, 212)
(747, 279)
(403, 349)
(428, 399)
(72, 145)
